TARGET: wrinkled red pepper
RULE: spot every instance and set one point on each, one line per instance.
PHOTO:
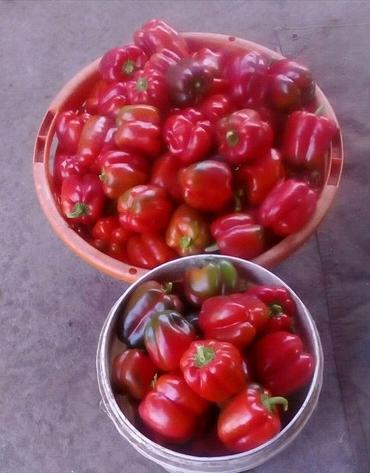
(82, 198)
(288, 207)
(281, 307)
(250, 419)
(156, 35)
(257, 179)
(148, 251)
(243, 136)
(188, 135)
(148, 87)
(162, 60)
(281, 363)
(307, 139)
(237, 234)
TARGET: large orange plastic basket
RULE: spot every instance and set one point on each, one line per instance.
(75, 92)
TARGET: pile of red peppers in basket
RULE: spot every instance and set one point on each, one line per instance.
(177, 151)
(210, 362)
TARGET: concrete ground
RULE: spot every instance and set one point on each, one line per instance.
(53, 305)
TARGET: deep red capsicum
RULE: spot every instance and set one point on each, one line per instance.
(250, 419)
(148, 250)
(66, 166)
(165, 174)
(148, 87)
(281, 307)
(288, 207)
(120, 64)
(243, 136)
(82, 198)
(216, 107)
(188, 135)
(281, 363)
(162, 60)
(68, 130)
(237, 234)
(112, 99)
(307, 139)
(110, 237)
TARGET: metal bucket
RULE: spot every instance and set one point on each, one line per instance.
(171, 460)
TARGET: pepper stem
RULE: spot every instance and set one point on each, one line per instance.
(212, 248)
(128, 67)
(232, 138)
(271, 402)
(185, 242)
(204, 356)
(103, 177)
(168, 286)
(79, 209)
(319, 110)
(141, 84)
(275, 310)
(154, 381)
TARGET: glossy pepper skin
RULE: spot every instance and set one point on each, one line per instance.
(110, 237)
(307, 139)
(237, 234)
(216, 107)
(188, 82)
(212, 279)
(144, 209)
(206, 185)
(132, 373)
(148, 299)
(148, 87)
(68, 130)
(148, 251)
(281, 306)
(172, 409)
(288, 207)
(250, 419)
(232, 319)
(188, 135)
(112, 99)
(165, 175)
(296, 81)
(281, 363)
(167, 336)
(66, 166)
(156, 35)
(247, 77)
(162, 60)
(257, 179)
(214, 370)
(120, 64)
(243, 136)
(119, 176)
(188, 232)
(139, 129)
(92, 138)
(82, 198)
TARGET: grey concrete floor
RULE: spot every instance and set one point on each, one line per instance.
(53, 305)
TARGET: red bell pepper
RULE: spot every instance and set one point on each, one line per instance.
(167, 336)
(212, 279)
(119, 176)
(208, 59)
(299, 76)
(144, 209)
(213, 369)
(281, 363)
(281, 306)
(162, 60)
(188, 82)
(93, 136)
(156, 35)
(148, 299)
(206, 185)
(234, 319)
(112, 99)
(165, 174)
(92, 102)
(283, 94)
(172, 409)
(243, 136)
(187, 233)
(148, 251)
(247, 77)
(188, 135)
(110, 237)
(66, 166)
(257, 179)
(216, 107)
(148, 87)
(288, 207)
(250, 419)
(133, 373)
(139, 129)
(68, 130)
(237, 234)
(307, 139)
(82, 199)
(120, 64)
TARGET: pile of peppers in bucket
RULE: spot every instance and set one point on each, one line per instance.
(176, 152)
(209, 362)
